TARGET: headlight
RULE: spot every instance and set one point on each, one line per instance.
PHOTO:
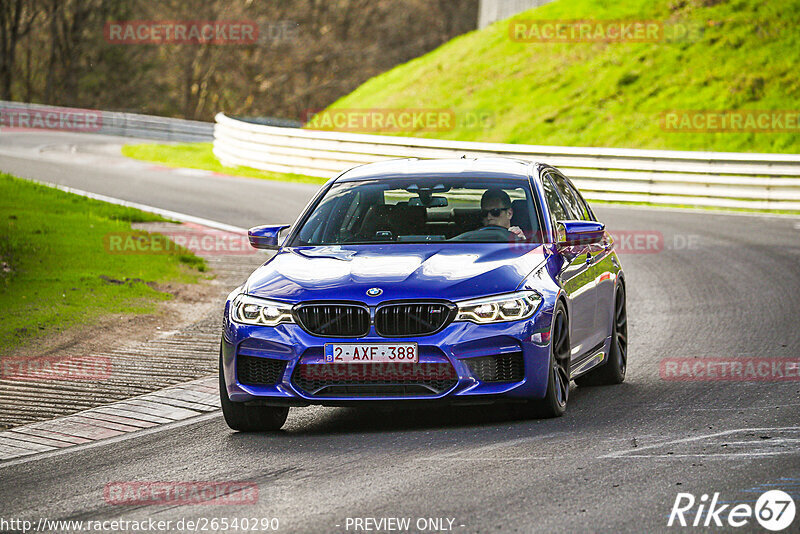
(510, 307)
(260, 312)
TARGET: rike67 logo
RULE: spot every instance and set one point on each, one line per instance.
(774, 510)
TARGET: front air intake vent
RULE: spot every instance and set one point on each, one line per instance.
(333, 320)
(252, 371)
(413, 318)
(500, 368)
(376, 379)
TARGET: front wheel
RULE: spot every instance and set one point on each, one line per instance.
(245, 418)
(554, 403)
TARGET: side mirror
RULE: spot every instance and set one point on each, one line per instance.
(579, 232)
(266, 237)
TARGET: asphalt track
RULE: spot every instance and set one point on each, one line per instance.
(718, 286)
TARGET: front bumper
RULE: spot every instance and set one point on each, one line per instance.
(291, 348)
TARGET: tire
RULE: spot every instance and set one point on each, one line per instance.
(245, 418)
(554, 403)
(613, 370)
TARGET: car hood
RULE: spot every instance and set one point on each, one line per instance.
(402, 271)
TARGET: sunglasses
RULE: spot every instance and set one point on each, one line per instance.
(493, 212)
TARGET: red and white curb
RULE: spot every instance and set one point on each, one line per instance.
(168, 405)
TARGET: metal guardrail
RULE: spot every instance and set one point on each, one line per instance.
(493, 10)
(719, 179)
(105, 122)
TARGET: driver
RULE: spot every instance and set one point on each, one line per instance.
(496, 210)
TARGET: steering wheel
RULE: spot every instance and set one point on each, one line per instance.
(490, 232)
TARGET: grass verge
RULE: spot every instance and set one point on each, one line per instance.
(56, 272)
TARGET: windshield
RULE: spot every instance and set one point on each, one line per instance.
(422, 210)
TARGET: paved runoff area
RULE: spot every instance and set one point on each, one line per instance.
(167, 405)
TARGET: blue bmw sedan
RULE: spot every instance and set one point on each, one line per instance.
(451, 281)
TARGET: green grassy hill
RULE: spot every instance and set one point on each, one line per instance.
(743, 55)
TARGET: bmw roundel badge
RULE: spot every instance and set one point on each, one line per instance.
(374, 292)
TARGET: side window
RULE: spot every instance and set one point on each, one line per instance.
(553, 202)
(587, 213)
(574, 207)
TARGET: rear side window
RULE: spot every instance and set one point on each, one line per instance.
(557, 209)
(587, 213)
(575, 208)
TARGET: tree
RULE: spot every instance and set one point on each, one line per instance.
(16, 20)
(310, 53)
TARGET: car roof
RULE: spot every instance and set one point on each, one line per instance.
(430, 168)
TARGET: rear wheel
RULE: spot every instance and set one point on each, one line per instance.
(554, 403)
(613, 371)
(245, 418)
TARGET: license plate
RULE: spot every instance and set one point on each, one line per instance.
(371, 353)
